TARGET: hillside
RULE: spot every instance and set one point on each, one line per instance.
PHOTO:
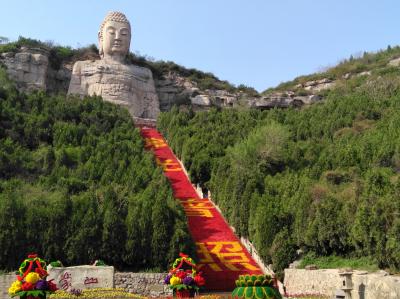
(48, 67)
(367, 64)
(76, 185)
(323, 178)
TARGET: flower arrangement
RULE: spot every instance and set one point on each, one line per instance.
(31, 280)
(183, 278)
(256, 287)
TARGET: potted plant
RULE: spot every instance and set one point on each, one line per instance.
(256, 287)
(31, 280)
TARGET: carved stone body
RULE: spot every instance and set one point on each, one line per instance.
(127, 85)
(117, 82)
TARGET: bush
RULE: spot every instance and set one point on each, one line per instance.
(327, 175)
(283, 251)
(75, 179)
(334, 262)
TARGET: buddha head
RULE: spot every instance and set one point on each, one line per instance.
(114, 36)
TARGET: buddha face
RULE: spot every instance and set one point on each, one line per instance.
(115, 40)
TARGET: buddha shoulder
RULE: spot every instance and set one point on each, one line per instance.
(83, 65)
(140, 71)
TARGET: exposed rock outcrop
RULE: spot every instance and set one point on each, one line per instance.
(28, 68)
(283, 100)
(394, 62)
(175, 89)
(58, 80)
(31, 69)
(317, 85)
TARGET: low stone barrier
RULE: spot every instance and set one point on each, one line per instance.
(82, 277)
(148, 284)
(5, 282)
(325, 282)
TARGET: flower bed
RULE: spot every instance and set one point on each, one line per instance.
(96, 293)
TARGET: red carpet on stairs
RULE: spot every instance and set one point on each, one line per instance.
(222, 257)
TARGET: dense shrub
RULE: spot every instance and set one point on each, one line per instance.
(76, 185)
(323, 179)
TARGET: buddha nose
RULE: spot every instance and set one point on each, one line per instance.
(118, 35)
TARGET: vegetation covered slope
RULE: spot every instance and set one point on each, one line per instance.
(324, 179)
(76, 185)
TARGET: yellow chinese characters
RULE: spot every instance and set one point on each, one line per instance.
(155, 142)
(217, 255)
(198, 207)
(169, 165)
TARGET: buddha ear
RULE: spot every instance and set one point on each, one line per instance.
(100, 44)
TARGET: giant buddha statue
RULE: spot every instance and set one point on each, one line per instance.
(111, 77)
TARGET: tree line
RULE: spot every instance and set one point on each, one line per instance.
(324, 179)
(76, 185)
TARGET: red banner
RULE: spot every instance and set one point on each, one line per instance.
(222, 257)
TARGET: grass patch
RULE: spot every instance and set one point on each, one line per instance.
(333, 262)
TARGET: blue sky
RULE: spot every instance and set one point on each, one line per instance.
(257, 43)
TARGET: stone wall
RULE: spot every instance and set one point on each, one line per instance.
(5, 282)
(148, 284)
(365, 285)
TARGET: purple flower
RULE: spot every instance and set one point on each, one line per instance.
(188, 280)
(41, 285)
(76, 292)
(166, 280)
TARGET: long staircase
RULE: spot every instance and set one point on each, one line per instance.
(222, 258)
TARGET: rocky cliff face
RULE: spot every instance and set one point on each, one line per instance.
(31, 70)
(175, 89)
(28, 68)
(283, 100)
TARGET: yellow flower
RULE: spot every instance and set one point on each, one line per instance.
(15, 287)
(32, 277)
(17, 284)
(175, 280)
